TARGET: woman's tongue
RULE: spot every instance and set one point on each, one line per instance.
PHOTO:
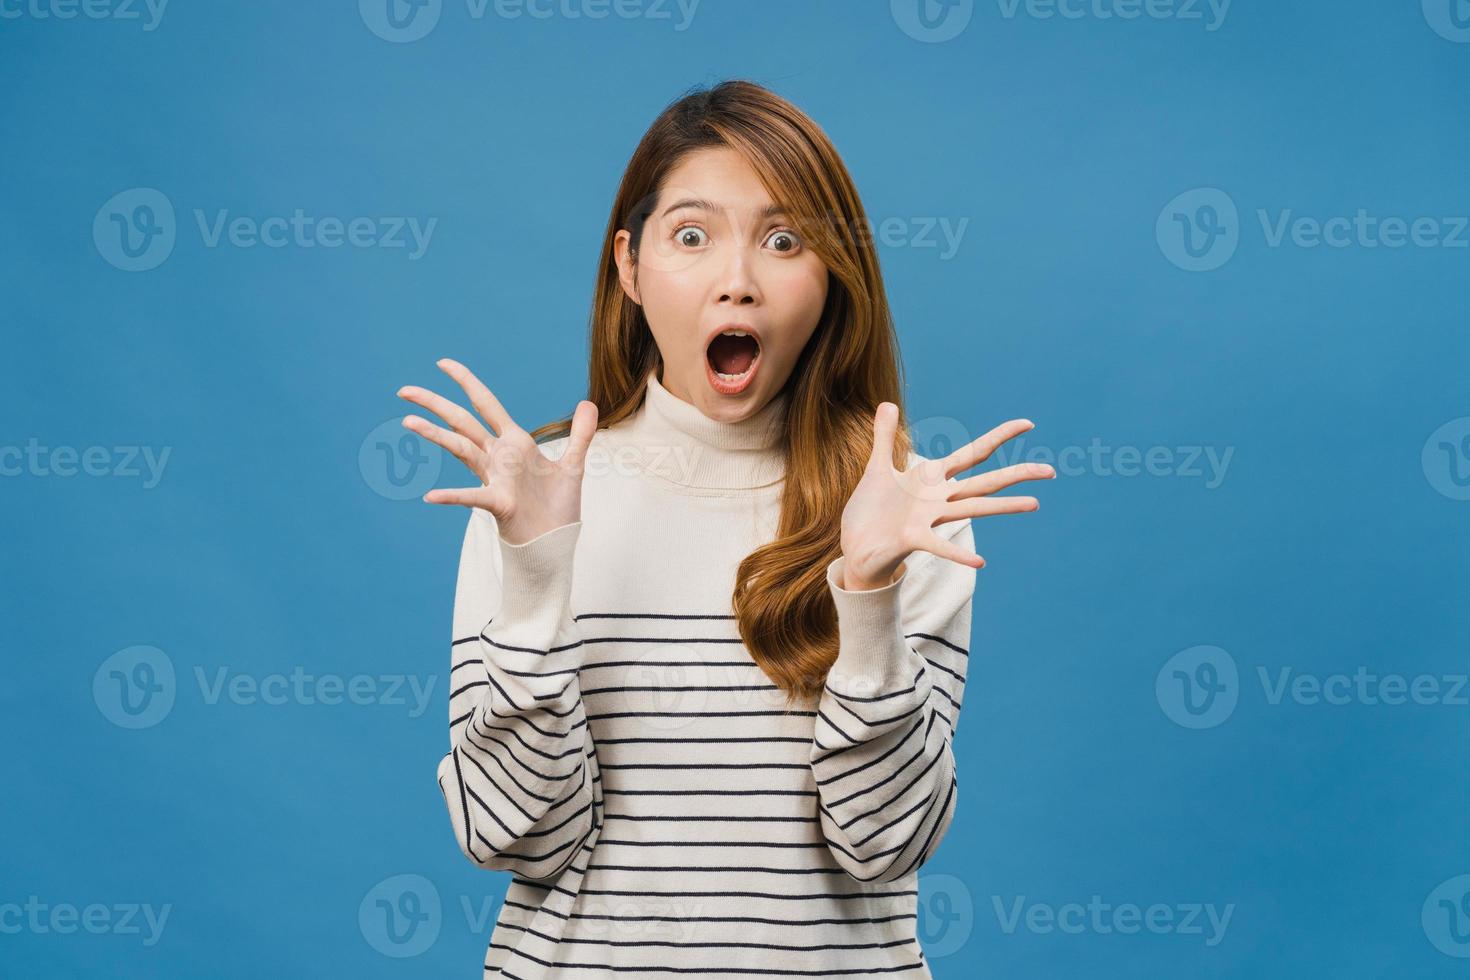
(732, 355)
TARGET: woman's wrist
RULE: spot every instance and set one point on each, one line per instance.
(863, 580)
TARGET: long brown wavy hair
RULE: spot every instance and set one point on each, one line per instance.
(851, 363)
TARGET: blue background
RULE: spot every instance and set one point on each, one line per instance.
(1335, 539)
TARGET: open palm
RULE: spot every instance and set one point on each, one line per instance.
(527, 493)
(892, 513)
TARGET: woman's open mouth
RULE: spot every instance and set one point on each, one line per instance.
(731, 361)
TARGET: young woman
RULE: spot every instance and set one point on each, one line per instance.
(710, 633)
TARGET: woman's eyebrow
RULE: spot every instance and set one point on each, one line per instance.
(770, 211)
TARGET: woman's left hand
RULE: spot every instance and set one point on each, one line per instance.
(892, 513)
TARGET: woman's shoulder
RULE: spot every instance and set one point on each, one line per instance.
(554, 447)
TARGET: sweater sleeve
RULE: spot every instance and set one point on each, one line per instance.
(518, 777)
(881, 756)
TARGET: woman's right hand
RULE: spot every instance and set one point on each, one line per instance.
(527, 493)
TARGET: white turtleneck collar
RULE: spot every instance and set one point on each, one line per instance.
(679, 444)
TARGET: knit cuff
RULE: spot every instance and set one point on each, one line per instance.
(871, 650)
(536, 589)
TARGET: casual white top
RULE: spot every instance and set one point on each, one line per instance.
(614, 746)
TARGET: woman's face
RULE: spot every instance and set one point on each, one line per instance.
(717, 255)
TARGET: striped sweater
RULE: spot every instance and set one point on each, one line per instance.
(616, 749)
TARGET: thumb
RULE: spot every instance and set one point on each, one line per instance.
(885, 429)
(584, 425)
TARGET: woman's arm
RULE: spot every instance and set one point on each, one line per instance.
(881, 755)
(518, 778)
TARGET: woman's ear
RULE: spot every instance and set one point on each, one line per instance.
(623, 254)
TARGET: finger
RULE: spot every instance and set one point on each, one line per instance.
(469, 453)
(484, 497)
(485, 403)
(885, 430)
(1006, 476)
(980, 449)
(945, 548)
(458, 417)
(986, 506)
(584, 425)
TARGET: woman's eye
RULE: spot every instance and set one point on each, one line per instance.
(689, 235)
(784, 241)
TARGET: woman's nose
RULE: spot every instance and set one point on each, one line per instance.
(738, 283)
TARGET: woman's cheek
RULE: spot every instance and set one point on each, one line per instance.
(808, 310)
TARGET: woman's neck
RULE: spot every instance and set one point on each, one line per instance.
(673, 440)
